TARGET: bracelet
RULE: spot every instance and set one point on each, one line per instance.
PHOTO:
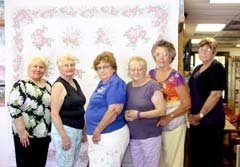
(138, 115)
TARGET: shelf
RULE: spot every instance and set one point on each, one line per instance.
(234, 83)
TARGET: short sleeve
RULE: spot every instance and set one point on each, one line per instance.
(217, 77)
(16, 99)
(152, 74)
(117, 93)
(154, 87)
(178, 79)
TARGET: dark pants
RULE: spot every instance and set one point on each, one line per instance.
(206, 145)
(35, 155)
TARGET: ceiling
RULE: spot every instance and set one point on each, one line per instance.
(201, 11)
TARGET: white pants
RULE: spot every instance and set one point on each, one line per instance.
(110, 150)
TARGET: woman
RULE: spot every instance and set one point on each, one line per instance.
(207, 120)
(107, 132)
(29, 107)
(67, 103)
(178, 103)
(144, 107)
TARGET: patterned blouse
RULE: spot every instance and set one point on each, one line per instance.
(168, 87)
(33, 103)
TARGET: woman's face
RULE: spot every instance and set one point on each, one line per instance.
(67, 68)
(104, 71)
(136, 70)
(36, 70)
(162, 57)
(206, 54)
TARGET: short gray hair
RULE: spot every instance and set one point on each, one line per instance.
(166, 44)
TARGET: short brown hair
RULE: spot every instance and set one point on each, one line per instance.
(211, 42)
(107, 57)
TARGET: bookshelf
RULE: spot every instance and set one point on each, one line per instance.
(234, 84)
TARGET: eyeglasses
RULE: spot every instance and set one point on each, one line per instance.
(164, 54)
(98, 68)
(68, 65)
(136, 69)
(204, 50)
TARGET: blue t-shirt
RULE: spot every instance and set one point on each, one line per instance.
(112, 92)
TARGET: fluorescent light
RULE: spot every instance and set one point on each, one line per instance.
(238, 45)
(224, 1)
(195, 41)
(210, 27)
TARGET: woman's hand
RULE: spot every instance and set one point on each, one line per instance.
(24, 138)
(164, 120)
(66, 143)
(194, 119)
(84, 136)
(131, 115)
(96, 136)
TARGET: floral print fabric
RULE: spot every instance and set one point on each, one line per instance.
(33, 103)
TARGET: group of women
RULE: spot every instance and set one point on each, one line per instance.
(147, 115)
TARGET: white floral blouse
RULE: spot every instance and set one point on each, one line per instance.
(33, 103)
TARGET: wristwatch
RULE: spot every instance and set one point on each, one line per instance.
(201, 115)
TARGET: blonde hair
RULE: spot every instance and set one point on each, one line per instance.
(65, 57)
(40, 57)
(138, 59)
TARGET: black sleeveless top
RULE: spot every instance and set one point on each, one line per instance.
(72, 110)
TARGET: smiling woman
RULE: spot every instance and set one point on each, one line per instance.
(29, 107)
(144, 106)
